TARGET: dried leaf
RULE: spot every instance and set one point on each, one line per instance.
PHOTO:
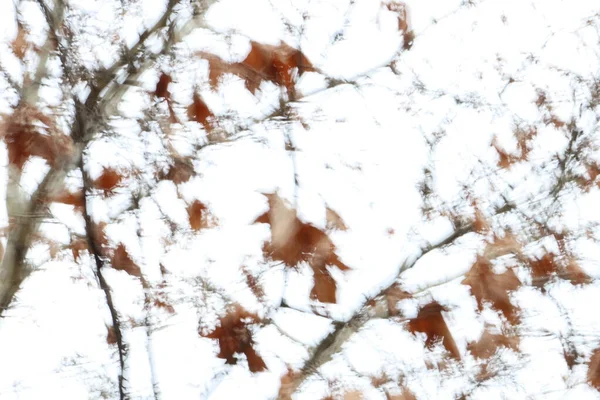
(430, 321)
(198, 216)
(77, 246)
(487, 345)
(494, 288)
(181, 171)
(108, 181)
(593, 375)
(293, 241)
(122, 261)
(334, 221)
(198, 111)
(19, 45)
(111, 335)
(162, 87)
(234, 336)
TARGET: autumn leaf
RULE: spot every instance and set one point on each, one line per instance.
(108, 181)
(180, 171)
(111, 335)
(23, 139)
(488, 343)
(19, 45)
(334, 221)
(198, 111)
(393, 295)
(234, 336)
(593, 375)
(494, 288)
(293, 242)
(401, 10)
(77, 246)
(199, 216)
(162, 87)
(121, 261)
(430, 321)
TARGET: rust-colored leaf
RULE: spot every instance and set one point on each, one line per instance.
(593, 375)
(403, 23)
(405, 394)
(109, 180)
(430, 321)
(181, 171)
(198, 215)
(334, 221)
(198, 111)
(293, 242)
(487, 345)
(575, 274)
(21, 132)
(77, 246)
(235, 336)
(162, 87)
(393, 295)
(542, 269)
(122, 261)
(76, 199)
(324, 288)
(19, 45)
(111, 335)
(494, 288)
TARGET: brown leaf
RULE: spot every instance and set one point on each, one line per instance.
(111, 335)
(395, 294)
(77, 246)
(293, 242)
(402, 10)
(23, 139)
(162, 87)
(575, 274)
(487, 345)
(181, 171)
(324, 288)
(77, 200)
(405, 394)
(234, 336)
(198, 216)
(488, 286)
(108, 181)
(593, 375)
(334, 221)
(122, 262)
(198, 111)
(19, 45)
(430, 321)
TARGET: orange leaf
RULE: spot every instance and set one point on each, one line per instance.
(180, 172)
(488, 286)
(108, 180)
(593, 375)
(431, 322)
(234, 336)
(293, 241)
(197, 213)
(162, 87)
(122, 262)
(198, 111)
(487, 345)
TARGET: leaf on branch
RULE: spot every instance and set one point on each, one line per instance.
(334, 221)
(293, 242)
(111, 335)
(108, 181)
(77, 199)
(121, 261)
(199, 216)
(21, 132)
(393, 295)
(162, 87)
(235, 336)
(487, 345)
(77, 246)
(181, 171)
(402, 10)
(494, 288)
(19, 45)
(198, 111)
(593, 375)
(430, 321)
(278, 64)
